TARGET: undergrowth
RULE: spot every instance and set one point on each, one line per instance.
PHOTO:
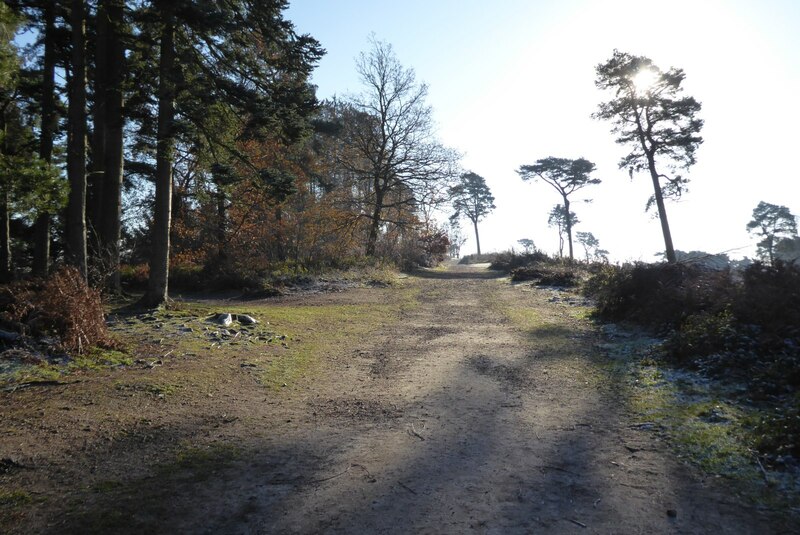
(62, 306)
(739, 328)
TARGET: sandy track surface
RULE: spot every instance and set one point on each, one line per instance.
(453, 419)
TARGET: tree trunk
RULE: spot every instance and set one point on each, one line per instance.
(76, 143)
(662, 211)
(771, 249)
(94, 189)
(375, 225)
(5, 238)
(568, 218)
(157, 290)
(222, 217)
(114, 138)
(41, 247)
(280, 239)
(477, 238)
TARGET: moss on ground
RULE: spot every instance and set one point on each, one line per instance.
(701, 425)
(286, 344)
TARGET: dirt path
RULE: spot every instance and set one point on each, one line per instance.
(455, 419)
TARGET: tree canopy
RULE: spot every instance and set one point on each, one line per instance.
(391, 140)
(772, 223)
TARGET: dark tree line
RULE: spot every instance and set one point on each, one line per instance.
(140, 79)
(185, 131)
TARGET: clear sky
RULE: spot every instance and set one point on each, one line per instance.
(512, 81)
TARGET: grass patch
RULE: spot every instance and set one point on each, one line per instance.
(524, 317)
(30, 373)
(15, 498)
(160, 390)
(14, 505)
(313, 331)
(97, 359)
(196, 464)
(92, 360)
(286, 345)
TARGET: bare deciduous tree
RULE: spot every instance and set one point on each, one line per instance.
(396, 152)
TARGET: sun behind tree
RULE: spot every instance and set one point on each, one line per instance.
(658, 124)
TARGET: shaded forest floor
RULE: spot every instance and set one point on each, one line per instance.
(448, 402)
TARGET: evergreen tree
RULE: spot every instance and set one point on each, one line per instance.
(471, 198)
(773, 223)
(28, 185)
(240, 58)
(566, 177)
(652, 118)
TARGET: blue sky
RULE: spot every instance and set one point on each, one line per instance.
(513, 81)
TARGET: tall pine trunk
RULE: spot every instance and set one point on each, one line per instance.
(76, 142)
(662, 211)
(111, 213)
(5, 216)
(5, 237)
(94, 187)
(477, 238)
(157, 291)
(41, 247)
(568, 219)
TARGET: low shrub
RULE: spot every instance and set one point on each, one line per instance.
(703, 334)
(478, 258)
(778, 431)
(742, 326)
(509, 260)
(134, 276)
(770, 298)
(659, 296)
(62, 306)
(548, 274)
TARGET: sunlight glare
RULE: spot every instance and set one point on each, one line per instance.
(644, 80)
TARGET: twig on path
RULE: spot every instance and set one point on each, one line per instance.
(581, 524)
(315, 481)
(413, 432)
(409, 489)
(364, 468)
(300, 481)
(598, 500)
(38, 383)
(556, 468)
(761, 467)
